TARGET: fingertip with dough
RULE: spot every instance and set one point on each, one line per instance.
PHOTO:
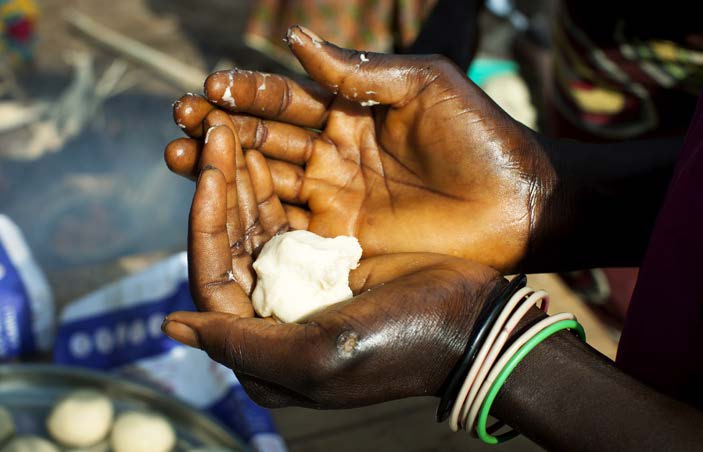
(218, 88)
(189, 112)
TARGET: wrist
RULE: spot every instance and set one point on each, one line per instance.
(473, 317)
(513, 334)
(547, 201)
(602, 204)
(552, 210)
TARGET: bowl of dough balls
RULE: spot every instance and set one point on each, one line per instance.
(58, 409)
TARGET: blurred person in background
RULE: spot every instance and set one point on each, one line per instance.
(616, 72)
(447, 27)
(621, 71)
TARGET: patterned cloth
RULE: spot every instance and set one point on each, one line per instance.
(373, 25)
(625, 70)
(17, 25)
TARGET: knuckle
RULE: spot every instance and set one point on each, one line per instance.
(260, 134)
(440, 64)
(436, 67)
(308, 148)
(286, 97)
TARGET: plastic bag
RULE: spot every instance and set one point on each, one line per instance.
(26, 304)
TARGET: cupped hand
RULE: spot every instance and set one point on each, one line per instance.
(399, 336)
(403, 152)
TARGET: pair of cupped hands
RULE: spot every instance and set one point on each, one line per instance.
(440, 186)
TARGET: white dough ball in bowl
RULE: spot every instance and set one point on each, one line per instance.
(140, 431)
(29, 444)
(81, 419)
(299, 273)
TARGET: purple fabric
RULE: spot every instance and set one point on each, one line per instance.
(662, 342)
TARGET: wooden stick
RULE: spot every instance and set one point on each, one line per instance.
(182, 75)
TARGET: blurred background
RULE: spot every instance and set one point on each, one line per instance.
(86, 88)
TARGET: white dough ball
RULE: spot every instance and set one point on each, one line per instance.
(300, 273)
(30, 444)
(137, 431)
(81, 419)
(7, 425)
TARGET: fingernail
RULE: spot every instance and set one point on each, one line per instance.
(205, 168)
(311, 34)
(181, 332)
(293, 38)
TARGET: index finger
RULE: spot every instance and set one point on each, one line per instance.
(252, 230)
(219, 151)
(270, 96)
(188, 113)
(212, 282)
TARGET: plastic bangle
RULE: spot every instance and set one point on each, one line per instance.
(497, 346)
(507, 370)
(488, 353)
(505, 356)
(480, 356)
(483, 324)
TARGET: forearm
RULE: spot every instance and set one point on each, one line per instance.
(602, 204)
(566, 396)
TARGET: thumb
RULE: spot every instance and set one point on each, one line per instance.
(364, 77)
(258, 347)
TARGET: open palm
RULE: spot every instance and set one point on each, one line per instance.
(409, 313)
(403, 152)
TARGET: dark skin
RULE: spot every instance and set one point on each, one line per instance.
(395, 296)
(567, 396)
(389, 174)
(436, 155)
(402, 338)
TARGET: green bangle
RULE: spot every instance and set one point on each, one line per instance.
(507, 370)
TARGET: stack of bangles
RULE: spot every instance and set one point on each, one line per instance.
(488, 360)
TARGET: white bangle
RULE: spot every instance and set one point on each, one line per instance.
(497, 348)
(505, 357)
(479, 364)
